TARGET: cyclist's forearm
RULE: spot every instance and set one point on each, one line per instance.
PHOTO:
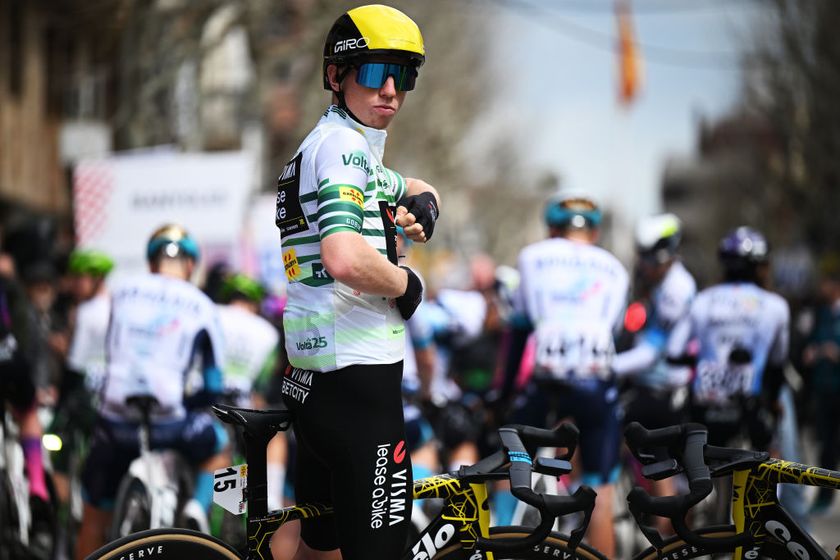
(639, 358)
(417, 186)
(351, 260)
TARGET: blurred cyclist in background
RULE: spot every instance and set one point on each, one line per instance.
(742, 334)
(657, 397)
(89, 270)
(572, 296)
(159, 324)
(822, 356)
(249, 362)
(82, 379)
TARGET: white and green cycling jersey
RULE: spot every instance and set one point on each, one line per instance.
(250, 353)
(336, 182)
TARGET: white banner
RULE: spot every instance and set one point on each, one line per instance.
(120, 201)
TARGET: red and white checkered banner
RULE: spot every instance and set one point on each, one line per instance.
(93, 182)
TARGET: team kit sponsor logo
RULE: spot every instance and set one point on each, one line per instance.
(145, 552)
(356, 159)
(390, 486)
(297, 384)
(350, 44)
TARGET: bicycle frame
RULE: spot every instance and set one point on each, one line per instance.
(756, 509)
(465, 515)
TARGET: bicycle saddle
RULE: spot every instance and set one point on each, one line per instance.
(255, 422)
(143, 402)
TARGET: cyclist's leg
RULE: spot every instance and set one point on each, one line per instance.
(113, 447)
(19, 389)
(657, 409)
(203, 442)
(596, 413)
(531, 409)
(351, 423)
(827, 424)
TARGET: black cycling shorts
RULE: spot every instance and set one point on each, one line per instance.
(654, 409)
(16, 383)
(352, 455)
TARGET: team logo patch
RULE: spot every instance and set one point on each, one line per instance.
(290, 264)
(350, 194)
(399, 452)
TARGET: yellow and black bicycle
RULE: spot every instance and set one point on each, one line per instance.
(461, 531)
(762, 528)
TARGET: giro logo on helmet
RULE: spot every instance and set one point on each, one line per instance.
(350, 44)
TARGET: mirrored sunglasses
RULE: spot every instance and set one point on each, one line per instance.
(374, 74)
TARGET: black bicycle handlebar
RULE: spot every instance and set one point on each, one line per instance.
(514, 438)
(684, 446)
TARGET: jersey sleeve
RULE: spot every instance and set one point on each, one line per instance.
(681, 335)
(342, 164)
(77, 358)
(400, 188)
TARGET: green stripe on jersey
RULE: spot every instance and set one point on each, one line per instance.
(340, 219)
(289, 242)
(350, 209)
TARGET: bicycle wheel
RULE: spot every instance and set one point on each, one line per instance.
(553, 547)
(132, 512)
(676, 547)
(166, 544)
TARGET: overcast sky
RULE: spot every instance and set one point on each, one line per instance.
(560, 83)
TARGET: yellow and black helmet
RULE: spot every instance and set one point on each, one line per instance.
(371, 31)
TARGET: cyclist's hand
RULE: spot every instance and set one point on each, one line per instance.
(417, 215)
(410, 300)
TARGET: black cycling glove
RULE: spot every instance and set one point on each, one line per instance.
(425, 209)
(408, 302)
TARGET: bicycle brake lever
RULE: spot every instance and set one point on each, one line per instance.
(661, 469)
(552, 467)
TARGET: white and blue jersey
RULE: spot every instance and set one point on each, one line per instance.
(670, 302)
(158, 326)
(741, 329)
(574, 295)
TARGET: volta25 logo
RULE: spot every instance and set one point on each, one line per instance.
(312, 343)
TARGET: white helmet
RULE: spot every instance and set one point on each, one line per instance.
(657, 237)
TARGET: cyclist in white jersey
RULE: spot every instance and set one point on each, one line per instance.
(742, 334)
(87, 348)
(74, 412)
(337, 210)
(159, 324)
(572, 295)
(657, 395)
(249, 361)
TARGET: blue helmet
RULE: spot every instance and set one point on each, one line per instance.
(572, 209)
(741, 250)
(171, 240)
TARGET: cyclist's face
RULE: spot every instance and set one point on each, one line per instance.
(375, 108)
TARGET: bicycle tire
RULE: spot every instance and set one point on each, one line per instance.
(554, 546)
(132, 512)
(167, 544)
(676, 547)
